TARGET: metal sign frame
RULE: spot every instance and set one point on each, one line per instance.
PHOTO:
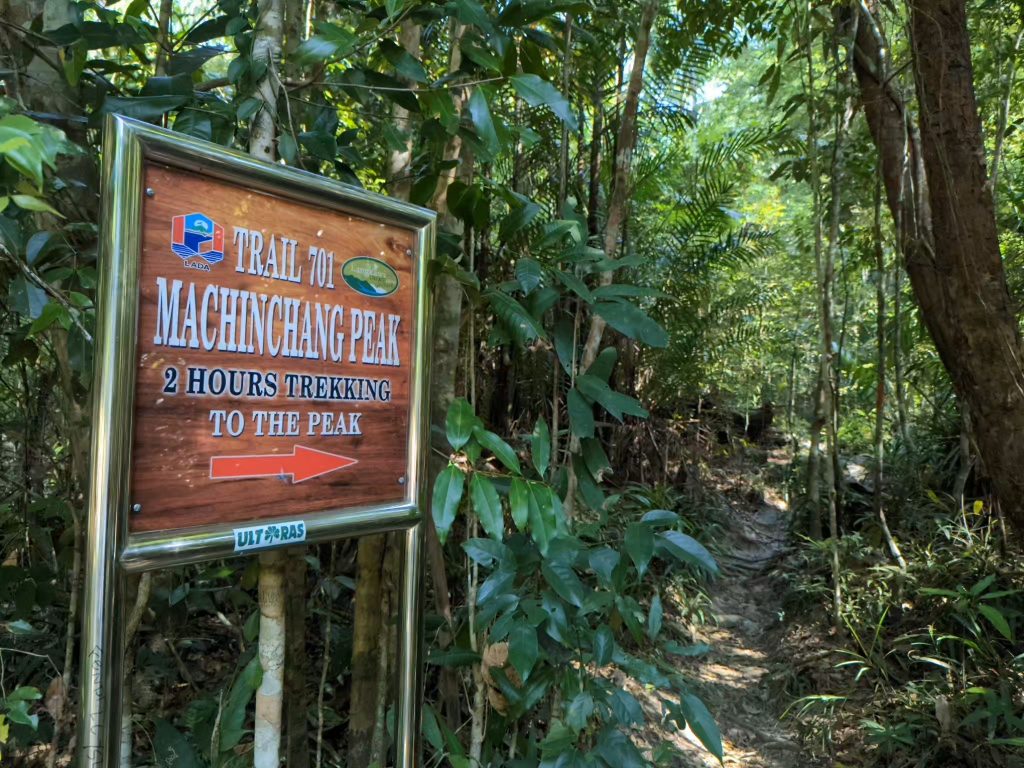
(111, 551)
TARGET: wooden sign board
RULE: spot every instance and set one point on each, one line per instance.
(275, 345)
(259, 381)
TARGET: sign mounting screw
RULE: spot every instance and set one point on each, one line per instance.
(136, 509)
(401, 479)
(150, 192)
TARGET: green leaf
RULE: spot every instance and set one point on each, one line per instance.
(455, 657)
(702, 724)
(604, 645)
(32, 203)
(471, 12)
(502, 450)
(563, 579)
(997, 620)
(654, 617)
(529, 274)
(581, 415)
(595, 459)
(172, 748)
(603, 562)
(687, 549)
(486, 551)
(639, 544)
(143, 107)
(480, 114)
(521, 324)
(523, 649)
(615, 403)
(580, 710)
(331, 42)
(540, 446)
(487, 505)
(698, 649)
(447, 494)
(632, 322)
(519, 502)
(560, 739)
(658, 517)
(26, 298)
(460, 422)
(232, 723)
(541, 507)
(537, 92)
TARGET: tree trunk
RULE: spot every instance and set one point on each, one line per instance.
(366, 640)
(269, 698)
(617, 206)
(948, 231)
(879, 469)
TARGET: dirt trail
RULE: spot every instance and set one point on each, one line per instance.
(747, 601)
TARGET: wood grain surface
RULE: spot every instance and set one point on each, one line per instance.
(174, 442)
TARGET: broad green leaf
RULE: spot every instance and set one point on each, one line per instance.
(604, 645)
(616, 403)
(537, 92)
(698, 649)
(486, 551)
(702, 724)
(540, 446)
(687, 549)
(519, 502)
(543, 524)
(32, 203)
(502, 450)
(460, 422)
(660, 517)
(471, 12)
(632, 322)
(581, 415)
(523, 326)
(455, 657)
(143, 107)
(523, 649)
(447, 494)
(171, 747)
(579, 711)
(997, 620)
(560, 739)
(563, 579)
(603, 562)
(654, 617)
(520, 216)
(487, 505)
(565, 344)
(594, 457)
(529, 274)
(232, 723)
(330, 42)
(480, 114)
(639, 544)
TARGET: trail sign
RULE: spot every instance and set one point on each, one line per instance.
(275, 343)
(260, 380)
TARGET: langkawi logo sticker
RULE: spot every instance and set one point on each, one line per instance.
(370, 277)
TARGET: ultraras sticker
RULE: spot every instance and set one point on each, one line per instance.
(369, 276)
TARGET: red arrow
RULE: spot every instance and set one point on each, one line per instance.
(302, 464)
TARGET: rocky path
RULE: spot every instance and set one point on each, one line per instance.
(732, 678)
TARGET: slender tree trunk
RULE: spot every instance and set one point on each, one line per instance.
(617, 206)
(821, 410)
(269, 698)
(366, 640)
(948, 231)
(902, 411)
(296, 659)
(833, 474)
(879, 472)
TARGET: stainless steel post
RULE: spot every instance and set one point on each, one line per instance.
(410, 648)
(102, 623)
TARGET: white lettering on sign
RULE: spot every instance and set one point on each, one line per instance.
(264, 536)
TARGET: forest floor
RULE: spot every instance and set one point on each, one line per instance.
(734, 679)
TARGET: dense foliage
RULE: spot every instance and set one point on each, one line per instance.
(661, 225)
